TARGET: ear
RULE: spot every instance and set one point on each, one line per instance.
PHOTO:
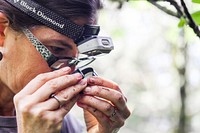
(4, 23)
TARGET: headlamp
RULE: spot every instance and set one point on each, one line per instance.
(95, 45)
(86, 36)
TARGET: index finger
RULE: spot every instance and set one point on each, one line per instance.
(41, 79)
(99, 81)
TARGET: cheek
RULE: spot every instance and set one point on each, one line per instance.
(21, 63)
(26, 66)
(28, 72)
(34, 62)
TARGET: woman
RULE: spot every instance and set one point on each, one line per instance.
(42, 95)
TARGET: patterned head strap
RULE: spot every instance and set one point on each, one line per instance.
(55, 21)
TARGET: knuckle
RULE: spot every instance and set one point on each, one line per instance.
(68, 77)
(96, 90)
(23, 108)
(41, 77)
(50, 120)
(52, 84)
(121, 123)
(108, 108)
(64, 95)
(36, 112)
(128, 114)
(21, 105)
(73, 89)
(120, 98)
(53, 121)
(100, 81)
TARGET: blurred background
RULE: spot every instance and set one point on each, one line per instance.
(156, 64)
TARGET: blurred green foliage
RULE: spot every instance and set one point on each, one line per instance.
(196, 1)
(149, 58)
(186, 18)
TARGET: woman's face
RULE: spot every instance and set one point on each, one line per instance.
(22, 62)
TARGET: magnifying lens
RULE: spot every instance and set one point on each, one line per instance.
(86, 72)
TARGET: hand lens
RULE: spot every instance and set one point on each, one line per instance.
(86, 72)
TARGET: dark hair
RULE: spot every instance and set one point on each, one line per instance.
(70, 9)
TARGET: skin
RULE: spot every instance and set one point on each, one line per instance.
(32, 82)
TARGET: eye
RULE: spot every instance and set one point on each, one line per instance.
(60, 51)
(56, 50)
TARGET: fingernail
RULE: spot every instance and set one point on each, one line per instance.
(83, 82)
(87, 89)
(78, 76)
(92, 80)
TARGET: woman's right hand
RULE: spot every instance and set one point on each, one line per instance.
(37, 111)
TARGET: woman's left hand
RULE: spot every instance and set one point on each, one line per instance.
(104, 105)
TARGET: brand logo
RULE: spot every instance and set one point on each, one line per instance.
(15, 1)
(36, 11)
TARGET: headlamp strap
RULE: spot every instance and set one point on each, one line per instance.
(49, 18)
(44, 52)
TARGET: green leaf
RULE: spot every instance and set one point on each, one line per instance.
(196, 1)
(196, 17)
(181, 22)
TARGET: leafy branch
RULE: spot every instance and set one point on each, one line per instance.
(181, 12)
(191, 22)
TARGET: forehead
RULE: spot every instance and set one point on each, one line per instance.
(81, 21)
(42, 32)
